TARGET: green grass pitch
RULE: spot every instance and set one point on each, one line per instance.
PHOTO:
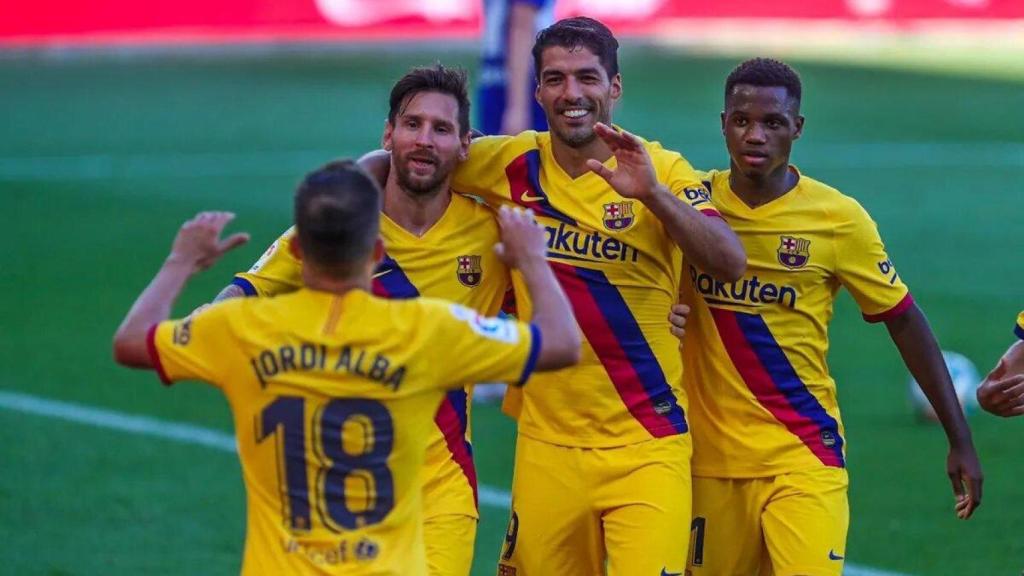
(101, 160)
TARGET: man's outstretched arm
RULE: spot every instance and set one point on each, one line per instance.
(921, 354)
(523, 247)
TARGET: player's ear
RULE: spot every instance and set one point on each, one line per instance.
(799, 123)
(464, 141)
(385, 140)
(294, 248)
(723, 122)
(616, 87)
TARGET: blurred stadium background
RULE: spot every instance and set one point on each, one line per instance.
(124, 118)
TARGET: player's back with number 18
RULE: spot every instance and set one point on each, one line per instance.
(333, 390)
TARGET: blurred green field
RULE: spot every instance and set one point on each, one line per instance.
(102, 159)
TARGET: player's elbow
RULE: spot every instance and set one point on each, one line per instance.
(729, 265)
(734, 266)
(122, 352)
(130, 351)
(377, 163)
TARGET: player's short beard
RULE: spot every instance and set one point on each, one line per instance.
(424, 188)
(578, 138)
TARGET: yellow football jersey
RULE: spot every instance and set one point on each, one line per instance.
(621, 271)
(454, 260)
(333, 399)
(1019, 329)
(762, 401)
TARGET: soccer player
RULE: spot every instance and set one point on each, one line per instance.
(770, 481)
(437, 244)
(333, 390)
(602, 470)
(505, 86)
(1002, 391)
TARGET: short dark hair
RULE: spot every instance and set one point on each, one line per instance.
(436, 78)
(575, 33)
(765, 72)
(337, 217)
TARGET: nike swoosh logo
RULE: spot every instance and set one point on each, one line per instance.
(667, 573)
(526, 197)
(379, 274)
(833, 556)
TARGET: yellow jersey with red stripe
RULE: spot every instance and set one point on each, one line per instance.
(1019, 328)
(762, 401)
(333, 397)
(453, 260)
(621, 271)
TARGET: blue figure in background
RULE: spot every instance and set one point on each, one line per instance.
(505, 102)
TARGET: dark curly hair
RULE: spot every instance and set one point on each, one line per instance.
(765, 72)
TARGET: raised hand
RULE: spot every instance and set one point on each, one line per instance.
(198, 242)
(633, 176)
(523, 240)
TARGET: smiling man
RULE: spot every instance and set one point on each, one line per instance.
(602, 470)
(769, 461)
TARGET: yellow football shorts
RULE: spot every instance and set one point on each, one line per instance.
(449, 539)
(582, 510)
(788, 525)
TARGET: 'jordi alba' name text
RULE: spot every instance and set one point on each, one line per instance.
(318, 357)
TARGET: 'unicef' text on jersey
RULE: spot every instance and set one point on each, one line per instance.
(743, 292)
(571, 243)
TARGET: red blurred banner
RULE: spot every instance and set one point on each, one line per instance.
(45, 22)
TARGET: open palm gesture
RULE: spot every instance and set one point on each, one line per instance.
(633, 176)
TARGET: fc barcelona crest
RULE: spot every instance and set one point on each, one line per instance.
(794, 252)
(618, 215)
(469, 270)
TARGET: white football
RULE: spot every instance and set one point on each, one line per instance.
(965, 378)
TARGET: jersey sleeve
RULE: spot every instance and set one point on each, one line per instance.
(865, 269)
(684, 182)
(1019, 328)
(481, 349)
(482, 174)
(278, 271)
(193, 348)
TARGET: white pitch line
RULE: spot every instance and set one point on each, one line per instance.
(858, 570)
(174, 431)
(199, 436)
(100, 418)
